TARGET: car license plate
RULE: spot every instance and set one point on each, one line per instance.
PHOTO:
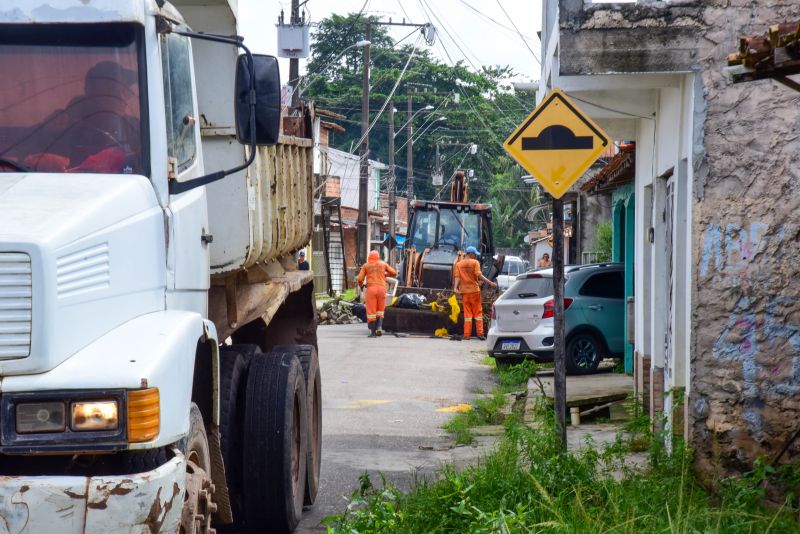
(510, 345)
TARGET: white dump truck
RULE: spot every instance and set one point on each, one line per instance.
(158, 364)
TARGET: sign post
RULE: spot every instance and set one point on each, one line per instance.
(557, 143)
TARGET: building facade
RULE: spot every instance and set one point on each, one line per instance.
(708, 217)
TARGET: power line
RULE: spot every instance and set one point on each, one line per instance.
(524, 41)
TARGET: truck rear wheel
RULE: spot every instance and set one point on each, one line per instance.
(309, 361)
(198, 506)
(275, 444)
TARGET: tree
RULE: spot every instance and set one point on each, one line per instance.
(487, 112)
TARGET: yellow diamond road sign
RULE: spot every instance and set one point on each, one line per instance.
(557, 143)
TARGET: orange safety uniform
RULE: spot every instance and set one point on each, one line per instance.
(375, 272)
(468, 272)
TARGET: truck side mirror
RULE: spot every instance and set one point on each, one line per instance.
(268, 100)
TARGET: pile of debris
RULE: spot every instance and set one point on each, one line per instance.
(337, 311)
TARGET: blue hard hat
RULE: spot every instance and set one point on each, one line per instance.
(472, 250)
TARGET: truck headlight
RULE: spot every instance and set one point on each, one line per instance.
(39, 417)
(95, 415)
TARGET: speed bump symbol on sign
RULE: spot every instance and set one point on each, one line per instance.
(557, 143)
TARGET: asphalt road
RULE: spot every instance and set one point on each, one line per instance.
(381, 409)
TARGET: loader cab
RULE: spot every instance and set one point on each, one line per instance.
(438, 233)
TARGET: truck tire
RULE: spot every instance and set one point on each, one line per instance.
(275, 444)
(233, 380)
(198, 507)
(583, 354)
(309, 361)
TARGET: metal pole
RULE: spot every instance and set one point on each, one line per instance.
(391, 181)
(294, 63)
(363, 181)
(437, 169)
(560, 374)
(409, 161)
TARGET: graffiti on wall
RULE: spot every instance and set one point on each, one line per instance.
(731, 248)
(752, 331)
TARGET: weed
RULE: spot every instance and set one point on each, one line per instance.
(529, 485)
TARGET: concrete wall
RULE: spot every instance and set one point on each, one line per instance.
(746, 354)
(595, 210)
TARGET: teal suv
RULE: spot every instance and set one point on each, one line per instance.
(594, 302)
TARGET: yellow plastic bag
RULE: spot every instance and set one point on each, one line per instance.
(441, 332)
(455, 309)
(435, 307)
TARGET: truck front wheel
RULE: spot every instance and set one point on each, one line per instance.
(198, 506)
(275, 444)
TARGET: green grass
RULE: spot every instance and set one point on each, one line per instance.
(485, 411)
(529, 485)
(488, 410)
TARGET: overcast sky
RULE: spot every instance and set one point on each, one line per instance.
(480, 32)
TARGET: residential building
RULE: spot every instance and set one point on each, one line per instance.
(705, 224)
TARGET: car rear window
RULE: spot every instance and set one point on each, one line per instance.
(529, 288)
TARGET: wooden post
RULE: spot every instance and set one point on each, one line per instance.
(560, 374)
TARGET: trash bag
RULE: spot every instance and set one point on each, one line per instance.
(360, 311)
(410, 301)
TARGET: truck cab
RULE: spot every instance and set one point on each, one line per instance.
(141, 234)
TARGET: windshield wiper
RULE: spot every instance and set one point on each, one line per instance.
(527, 295)
(11, 163)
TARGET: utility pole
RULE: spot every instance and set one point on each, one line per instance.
(560, 371)
(437, 174)
(391, 181)
(363, 189)
(294, 63)
(409, 161)
(363, 180)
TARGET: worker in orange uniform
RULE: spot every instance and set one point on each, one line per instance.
(373, 273)
(467, 275)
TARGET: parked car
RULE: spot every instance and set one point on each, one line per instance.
(594, 297)
(512, 268)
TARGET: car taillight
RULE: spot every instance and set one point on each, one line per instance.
(550, 308)
(494, 313)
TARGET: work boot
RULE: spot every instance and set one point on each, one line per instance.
(371, 329)
(379, 328)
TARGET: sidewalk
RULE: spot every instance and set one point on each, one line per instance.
(596, 395)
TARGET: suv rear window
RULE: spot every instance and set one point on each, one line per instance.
(529, 288)
(608, 285)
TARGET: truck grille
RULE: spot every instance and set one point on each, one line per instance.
(15, 305)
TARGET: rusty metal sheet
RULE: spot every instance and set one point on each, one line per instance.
(284, 208)
(143, 503)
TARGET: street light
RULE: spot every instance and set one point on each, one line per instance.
(360, 44)
(422, 132)
(426, 108)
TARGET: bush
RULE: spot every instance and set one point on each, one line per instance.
(603, 239)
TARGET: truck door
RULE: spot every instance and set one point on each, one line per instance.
(189, 255)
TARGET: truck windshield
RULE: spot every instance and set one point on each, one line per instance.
(71, 99)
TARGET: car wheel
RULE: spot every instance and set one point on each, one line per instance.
(583, 354)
